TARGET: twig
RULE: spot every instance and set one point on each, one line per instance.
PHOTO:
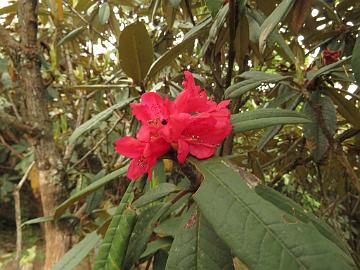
(333, 144)
(289, 168)
(232, 33)
(16, 194)
(7, 41)
(89, 24)
(82, 106)
(283, 155)
(96, 145)
(12, 121)
(12, 149)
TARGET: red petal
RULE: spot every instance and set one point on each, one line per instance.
(129, 147)
(201, 151)
(137, 168)
(183, 151)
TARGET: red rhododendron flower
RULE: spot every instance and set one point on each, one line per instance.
(191, 124)
(144, 154)
(328, 56)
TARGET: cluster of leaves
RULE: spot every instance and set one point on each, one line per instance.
(98, 56)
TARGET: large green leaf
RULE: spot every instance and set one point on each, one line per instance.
(294, 209)
(113, 248)
(262, 118)
(135, 51)
(156, 193)
(165, 59)
(258, 233)
(78, 252)
(96, 120)
(270, 23)
(196, 246)
(313, 131)
(89, 189)
(355, 62)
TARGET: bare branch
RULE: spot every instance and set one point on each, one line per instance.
(12, 121)
(7, 41)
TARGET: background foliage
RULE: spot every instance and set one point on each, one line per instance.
(296, 131)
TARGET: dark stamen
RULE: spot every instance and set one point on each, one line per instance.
(164, 122)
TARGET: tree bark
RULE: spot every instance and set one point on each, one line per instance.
(46, 154)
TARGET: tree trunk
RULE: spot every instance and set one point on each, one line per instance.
(46, 154)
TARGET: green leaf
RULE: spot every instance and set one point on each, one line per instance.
(241, 88)
(262, 118)
(77, 253)
(156, 245)
(355, 62)
(292, 208)
(165, 59)
(96, 120)
(270, 23)
(87, 190)
(72, 35)
(274, 37)
(168, 227)
(135, 51)
(272, 131)
(142, 232)
(156, 193)
(104, 13)
(214, 6)
(38, 220)
(313, 131)
(253, 79)
(113, 248)
(326, 69)
(96, 197)
(197, 246)
(258, 233)
(345, 107)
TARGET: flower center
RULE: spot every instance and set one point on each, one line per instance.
(141, 162)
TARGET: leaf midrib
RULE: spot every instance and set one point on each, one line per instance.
(256, 217)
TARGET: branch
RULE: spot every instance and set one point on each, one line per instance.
(12, 121)
(7, 41)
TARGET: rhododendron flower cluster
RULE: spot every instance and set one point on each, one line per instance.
(191, 124)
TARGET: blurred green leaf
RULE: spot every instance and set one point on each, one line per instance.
(135, 51)
(88, 190)
(355, 62)
(271, 22)
(96, 120)
(104, 13)
(78, 252)
(262, 118)
(313, 131)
